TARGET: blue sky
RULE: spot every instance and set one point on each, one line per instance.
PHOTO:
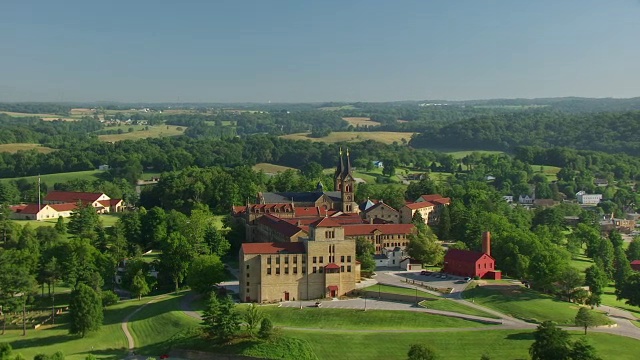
(295, 51)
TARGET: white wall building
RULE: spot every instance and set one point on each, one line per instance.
(588, 199)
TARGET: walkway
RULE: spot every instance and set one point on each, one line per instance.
(125, 327)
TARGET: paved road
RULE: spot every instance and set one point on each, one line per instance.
(125, 327)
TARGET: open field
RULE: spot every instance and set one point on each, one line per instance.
(581, 262)
(51, 179)
(551, 172)
(271, 168)
(154, 131)
(107, 220)
(386, 137)
(522, 303)
(351, 319)
(498, 344)
(360, 121)
(13, 148)
(434, 302)
(609, 299)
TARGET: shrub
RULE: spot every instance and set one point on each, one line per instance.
(266, 329)
(109, 298)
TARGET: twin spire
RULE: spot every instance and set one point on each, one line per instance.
(343, 170)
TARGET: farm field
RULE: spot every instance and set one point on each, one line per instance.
(46, 117)
(522, 303)
(154, 131)
(497, 344)
(15, 147)
(51, 179)
(271, 168)
(386, 137)
(360, 121)
(434, 302)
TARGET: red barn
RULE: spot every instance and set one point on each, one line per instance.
(635, 265)
(472, 263)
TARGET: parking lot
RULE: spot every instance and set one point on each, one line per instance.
(399, 278)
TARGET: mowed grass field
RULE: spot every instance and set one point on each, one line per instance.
(51, 179)
(271, 168)
(107, 220)
(354, 319)
(154, 131)
(360, 121)
(522, 303)
(497, 344)
(386, 137)
(434, 302)
(461, 154)
(15, 147)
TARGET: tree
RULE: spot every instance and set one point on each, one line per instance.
(5, 351)
(551, 343)
(177, 253)
(622, 266)
(220, 319)
(253, 317)
(569, 280)
(615, 238)
(139, 286)
(85, 311)
(16, 282)
(421, 352)
(266, 329)
(584, 318)
(423, 244)
(630, 289)
(594, 300)
(596, 279)
(60, 226)
(364, 254)
(216, 242)
(633, 251)
(84, 222)
(582, 350)
(204, 273)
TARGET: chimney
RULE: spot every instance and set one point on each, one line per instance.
(486, 243)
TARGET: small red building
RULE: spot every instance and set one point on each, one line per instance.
(635, 265)
(472, 263)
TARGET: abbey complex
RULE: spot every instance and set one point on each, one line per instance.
(302, 245)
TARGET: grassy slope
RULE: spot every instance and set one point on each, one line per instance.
(51, 179)
(109, 341)
(498, 344)
(107, 220)
(12, 148)
(434, 302)
(524, 304)
(348, 319)
(271, 168)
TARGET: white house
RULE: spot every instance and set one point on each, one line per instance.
(390, 257)
(378, 164)
(526, 200)
(588, 199)
(508, 198)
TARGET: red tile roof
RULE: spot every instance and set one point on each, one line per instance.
(273, 248)
(332, 266)
(31, 209)
(64, 207)
(381, 204)
(18, 208)
(285, 228)
(431, 197)
(270, 208)
(325, 222)
(419, 205)
(313, 211)
(71, 196)
(463, 256)
(238, 209)
(635, 262)
(387, 229)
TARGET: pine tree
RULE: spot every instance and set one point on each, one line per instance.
(220, 318)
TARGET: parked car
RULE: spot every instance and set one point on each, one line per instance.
(425, 272)
(467, 279)
(317, 304)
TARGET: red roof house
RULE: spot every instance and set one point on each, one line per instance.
(635, 265)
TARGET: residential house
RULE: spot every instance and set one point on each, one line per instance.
(44, 212)
(378, 164)
(526, 199)
(635, 265)
(99, 201)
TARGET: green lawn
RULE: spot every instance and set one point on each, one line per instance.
(497, 344)
(551, 172)
(156, 323)
(108, 342)
(434, 302)
(523, 303)
(581, 262)
(461, 154)
(140, 132)
(349, 319)
(609, 299)
(51, 179)
(107, 220)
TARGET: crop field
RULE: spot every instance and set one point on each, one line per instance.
(387, 137)
(360, 121)
(271, 168)
(154, 131)
(13, 148)
(46, 117)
